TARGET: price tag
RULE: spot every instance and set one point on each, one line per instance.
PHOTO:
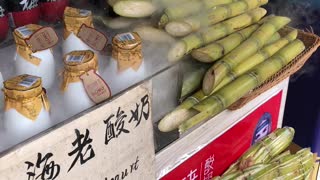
(92, 37)
(29, 81)
(96, 88)
(42, 39)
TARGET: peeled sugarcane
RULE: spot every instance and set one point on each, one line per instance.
(215, 32)
(192, 80)
(232, 92)
(248, 48)
(188, 9)
(134, 8)
(218, 49)
(149, 33)
(256, 59)
(186, 26)
(174, 119)
(116, 23)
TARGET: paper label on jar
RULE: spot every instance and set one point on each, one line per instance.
(84, 12)
(75, 58)
(93, 38)
(125, 37)
(42, 39)
(96, 88)
(24, 31)
(28, 81)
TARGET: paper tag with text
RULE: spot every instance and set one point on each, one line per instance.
(96, 88)
(93, 38)
(42, 39)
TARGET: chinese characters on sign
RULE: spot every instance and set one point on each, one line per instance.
(48, 170)
(82, 142)
(123, 121)
(205, 173)
(114, 130)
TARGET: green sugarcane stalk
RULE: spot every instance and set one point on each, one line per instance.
(243, 174)
(218, 49)
(257, 58)
(280, 156)
(232, 92)
(275, 37)
(188, 9)
(248, 48)
(215, 15)
(220, 30)
(298, 164)
(192, 80)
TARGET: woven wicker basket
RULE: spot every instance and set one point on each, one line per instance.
(311, 41)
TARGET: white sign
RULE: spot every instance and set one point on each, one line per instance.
(113, 142)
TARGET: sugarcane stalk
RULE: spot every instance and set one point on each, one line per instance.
(134, 8)
(218, 49)
(275, 37)
(248, 48)
(232, 92)
(212, 16)
(220, 30)
(243, 174)
(116, 23)
(170, 3)
(112, 2)
(298, 164)
(188, 9)
(280, 156)
(192, 80)
(181, 113)
(257, 58)
(149, 33)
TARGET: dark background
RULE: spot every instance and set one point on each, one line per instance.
(303, 102)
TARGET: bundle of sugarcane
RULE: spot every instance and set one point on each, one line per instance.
(172, 120)
(232, 92)
(248, 48)
(264, 161)
(257, 58)
(187, 9)
(212, 33)
(191, 24)
(297, 166)
(218, 49)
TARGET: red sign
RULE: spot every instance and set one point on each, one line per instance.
(215, 158)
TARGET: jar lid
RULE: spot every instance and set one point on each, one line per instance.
(24, 32)
(23, 87)
(127, 40)
(80, 61)
(76, 13)
(74, 19)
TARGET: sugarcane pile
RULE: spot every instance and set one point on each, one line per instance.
(269, 159)
(240, 50)
(238, 46)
